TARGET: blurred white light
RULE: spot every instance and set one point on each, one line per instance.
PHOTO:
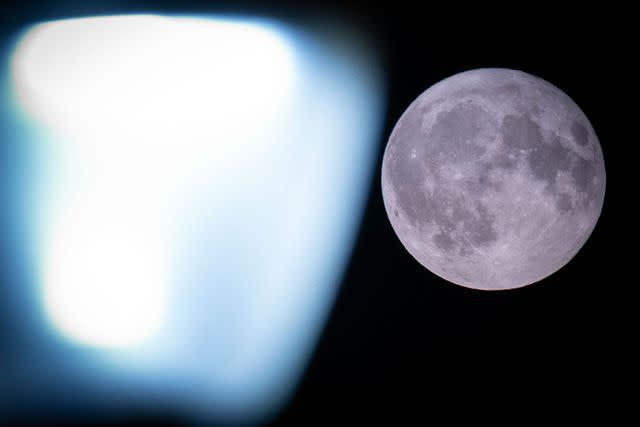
(129, 74)
(105, 285)
(135, 104)
(198, 185)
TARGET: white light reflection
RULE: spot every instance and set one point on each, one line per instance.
(200, 188)
(136, 104)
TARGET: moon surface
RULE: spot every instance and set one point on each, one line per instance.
(493, 179)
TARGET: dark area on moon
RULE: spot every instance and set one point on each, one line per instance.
(457, 129)
(454, 138)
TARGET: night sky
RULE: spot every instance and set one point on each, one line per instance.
(402, 343)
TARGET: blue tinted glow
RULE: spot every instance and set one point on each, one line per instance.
(199, 186)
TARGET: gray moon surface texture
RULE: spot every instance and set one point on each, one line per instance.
(493, 179)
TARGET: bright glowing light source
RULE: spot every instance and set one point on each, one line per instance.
(197, 188)
(131, 73)
(105, 284)
(135, 106)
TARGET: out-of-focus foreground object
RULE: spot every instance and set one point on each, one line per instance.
(184, 193)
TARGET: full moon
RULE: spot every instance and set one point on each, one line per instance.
(493, 179)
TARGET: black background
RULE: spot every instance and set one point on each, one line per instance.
(402, 343)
